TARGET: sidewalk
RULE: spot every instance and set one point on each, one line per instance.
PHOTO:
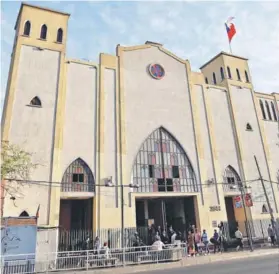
(188, 261)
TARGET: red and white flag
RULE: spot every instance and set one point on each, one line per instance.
(230, 28)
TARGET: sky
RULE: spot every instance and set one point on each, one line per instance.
(192, 30)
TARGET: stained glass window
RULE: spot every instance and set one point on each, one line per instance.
(231, 179)
(156, 71)
(166, 164)
(78, 177)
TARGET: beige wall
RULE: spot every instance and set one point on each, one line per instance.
(201, 109)
(152, 103)
(79, 137)
(32, 127)
(251, 144)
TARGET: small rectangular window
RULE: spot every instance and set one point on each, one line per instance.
(161, 185)
(169, 185)
(230, 180)
(151, 171)
(75, 178)
(175, 172)
(81, 178)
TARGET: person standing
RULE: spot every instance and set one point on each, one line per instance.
(215, 240)
(271, 234)
(197, 235)
(239, 238)
(191, 244)
(204, 239)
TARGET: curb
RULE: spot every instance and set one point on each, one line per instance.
(184, 262)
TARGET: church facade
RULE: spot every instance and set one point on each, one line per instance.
(138, 138)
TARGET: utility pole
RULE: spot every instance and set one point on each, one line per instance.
(122, 217)
(273, 222)
(247, 225)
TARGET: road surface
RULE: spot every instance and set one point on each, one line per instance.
(257, 265)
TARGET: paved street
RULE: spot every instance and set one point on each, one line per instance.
(258, 265)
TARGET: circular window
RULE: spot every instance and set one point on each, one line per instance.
(156, 71)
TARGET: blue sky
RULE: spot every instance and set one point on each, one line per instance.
(191, 30)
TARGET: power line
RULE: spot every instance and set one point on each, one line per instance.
(59, 184)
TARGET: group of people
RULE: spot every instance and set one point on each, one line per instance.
(197, 241)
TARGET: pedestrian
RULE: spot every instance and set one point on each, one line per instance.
(96, 245)
(158, 244)
(271, 234)
(239, 238)
(204, 239)
(165, 238)
(191, 244)
(215, 240)
(197, 237)
(221, 236)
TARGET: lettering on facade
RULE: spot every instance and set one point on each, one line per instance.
(214, 208)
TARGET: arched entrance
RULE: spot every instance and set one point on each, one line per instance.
(161, 168)
(77, 191)
(234, 206)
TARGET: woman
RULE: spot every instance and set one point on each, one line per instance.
(197, 240)
(191, 244)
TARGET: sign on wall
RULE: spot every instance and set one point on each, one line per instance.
(248, 200)
(237, 201)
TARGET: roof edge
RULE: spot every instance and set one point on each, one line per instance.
(223, 53)
(37, 7)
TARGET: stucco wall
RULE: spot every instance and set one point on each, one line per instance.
(32, 127)
(205, 157)
(151, 103)
(250, 145)
(225, 148)
(79, 135)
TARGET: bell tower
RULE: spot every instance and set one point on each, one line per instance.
(33, 108)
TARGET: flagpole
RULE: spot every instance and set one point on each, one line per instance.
(230, 47)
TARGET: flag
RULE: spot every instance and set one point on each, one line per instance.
(38, 210)
(230, 28)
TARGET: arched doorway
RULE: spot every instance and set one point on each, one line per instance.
(77, 191)
(163, 167)
(233, 201)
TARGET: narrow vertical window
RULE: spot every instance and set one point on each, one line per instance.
(229, 72)
(238, 75)
(222, 73)
(59, 36)
(27, 28)
(262, 109)
(206, 80)
(246, 76)
(214, 78)
(43, 32)
(274, 111)
(268, 110)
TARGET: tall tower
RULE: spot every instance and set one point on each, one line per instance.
(232, 72)
(32, 108)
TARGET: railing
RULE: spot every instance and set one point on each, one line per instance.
(77, 187)
(92, 259)
(73, 240)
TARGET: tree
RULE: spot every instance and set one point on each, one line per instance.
(16, 166)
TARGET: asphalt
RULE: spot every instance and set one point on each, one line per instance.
(257, 265)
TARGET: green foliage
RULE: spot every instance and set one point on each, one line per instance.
(16, 164)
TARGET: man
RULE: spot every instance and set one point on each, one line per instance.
(271, 234)
(239, 238)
